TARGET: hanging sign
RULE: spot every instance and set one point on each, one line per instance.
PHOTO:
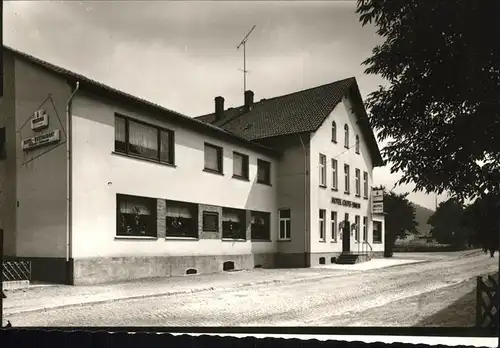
(40, 120)
(377, 201)
(41, 140)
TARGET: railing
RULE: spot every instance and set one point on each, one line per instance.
(16, 270)
(487, 311)
(365, 242)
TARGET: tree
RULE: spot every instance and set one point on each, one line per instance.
(483, 218)
(441, 111)
(447, 223)
(399, 218)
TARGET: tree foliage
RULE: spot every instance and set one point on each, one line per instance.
(400, 216)
(441, 111)
(447, 223)
(483, 219)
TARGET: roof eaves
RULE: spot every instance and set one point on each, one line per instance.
(92, 85)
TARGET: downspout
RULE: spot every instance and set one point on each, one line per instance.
(69, 176)
(306, 211)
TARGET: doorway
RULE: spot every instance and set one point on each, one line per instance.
(346, 237)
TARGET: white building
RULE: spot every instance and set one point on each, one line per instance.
(97, 185)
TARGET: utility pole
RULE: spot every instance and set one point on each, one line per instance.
(243, 43)
(1, 48)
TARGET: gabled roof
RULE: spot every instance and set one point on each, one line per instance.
(102, 90)
(299, 112)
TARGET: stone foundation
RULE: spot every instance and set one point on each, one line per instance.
(117, 269)
(316, 258)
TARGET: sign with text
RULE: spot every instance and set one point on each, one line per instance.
(378, 201)
(41, 140)
(345, 203)
(40, 120)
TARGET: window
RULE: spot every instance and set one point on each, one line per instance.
(181, 219)
(3, 151)
(346, 178)
(358, 182)
(234, 224)
(357, 144)
(285, 231)
(334, 225)
(346, 136)
(136, 216)
(141, 140)
(213, 158)
(260, 225)
(322, 224)
(263, 172)
(335, 175)
(377, 232)
(322, 170)
(365, 228)
(357, 223)
(240, 165)
(365, 184)
(334, 132)
(210, 221)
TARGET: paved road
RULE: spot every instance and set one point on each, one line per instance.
(313, 303)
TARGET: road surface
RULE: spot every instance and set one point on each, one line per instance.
(347, 300)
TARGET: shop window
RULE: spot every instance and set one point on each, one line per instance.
(136, 216)
(181, 219)
(377, 232)
(234, 224)
(260, 226)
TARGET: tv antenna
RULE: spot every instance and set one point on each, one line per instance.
(245, 71)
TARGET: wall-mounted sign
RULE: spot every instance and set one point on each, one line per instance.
(40, 120)
(378, 201)
(41, 140)
(345, 203)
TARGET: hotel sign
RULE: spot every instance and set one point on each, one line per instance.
(378, 201)
(41, 140)
(40, 120)
(345, 203)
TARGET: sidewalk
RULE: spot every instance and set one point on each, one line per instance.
(41, 297)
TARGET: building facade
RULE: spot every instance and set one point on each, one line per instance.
(98, 186)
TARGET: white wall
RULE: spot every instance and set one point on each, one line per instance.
(321, 197)
(98, 175)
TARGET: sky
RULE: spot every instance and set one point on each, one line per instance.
(182, 54)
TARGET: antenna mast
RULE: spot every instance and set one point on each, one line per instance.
(243, 43)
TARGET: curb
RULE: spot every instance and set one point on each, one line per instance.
(161, 294)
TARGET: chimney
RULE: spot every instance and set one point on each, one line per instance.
(248, 100)
(219, 108)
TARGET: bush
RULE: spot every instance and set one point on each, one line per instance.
(409, 248)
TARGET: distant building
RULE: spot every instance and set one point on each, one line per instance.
(133, 190)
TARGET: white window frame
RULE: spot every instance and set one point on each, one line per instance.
(365, 228)
(365, 184)
(322, 224)
(334, 132)
(346, 179)
(322, 170)
(357, 222)
(287, 224)
(334, 223)
(335, 174)
(346, 136)
(358, 182)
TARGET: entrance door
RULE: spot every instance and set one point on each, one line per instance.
(346, 237)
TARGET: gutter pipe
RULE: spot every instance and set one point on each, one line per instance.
(69, 173)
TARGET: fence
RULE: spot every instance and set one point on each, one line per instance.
(16, 270)
(487, 313)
